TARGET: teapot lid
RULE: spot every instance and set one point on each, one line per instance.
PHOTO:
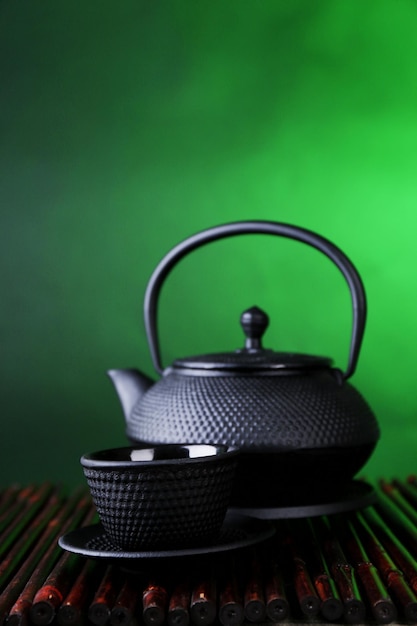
(253, 356)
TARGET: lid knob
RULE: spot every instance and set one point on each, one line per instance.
(254, 322)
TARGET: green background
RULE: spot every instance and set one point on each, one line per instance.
(126, 127)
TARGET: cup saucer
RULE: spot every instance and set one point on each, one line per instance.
(238, 531)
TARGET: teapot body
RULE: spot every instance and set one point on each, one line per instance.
(283, 412)
(304, 434)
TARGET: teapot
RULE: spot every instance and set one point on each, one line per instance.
(302, 429)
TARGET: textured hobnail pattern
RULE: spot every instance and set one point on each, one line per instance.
(285, 412)
(171, 506)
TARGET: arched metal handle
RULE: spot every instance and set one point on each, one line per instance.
(348, 270)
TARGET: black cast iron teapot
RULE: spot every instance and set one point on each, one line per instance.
(303, 430)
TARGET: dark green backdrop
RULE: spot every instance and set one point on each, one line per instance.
(127, 126)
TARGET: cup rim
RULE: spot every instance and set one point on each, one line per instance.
(111, 457)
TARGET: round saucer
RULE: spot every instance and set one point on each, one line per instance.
(356, 495)
(238, 531)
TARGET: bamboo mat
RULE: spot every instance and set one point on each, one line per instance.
(355, 568)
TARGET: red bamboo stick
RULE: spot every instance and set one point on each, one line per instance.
(75, 604)
(394, 494)
(308, 600)
(408, 491)
(203, 605)
(39, 530)
(12, 502)
(101, 606)
(399, 553)
(230, 610)
(52, 590)
(371, 525)
(331, 606)
(382, 607)
(277, 607)
(343, 572)
(154, 604)
(126, 602)
(179, 603)
(70, 515)
(253, 599)
(19, 534)
(398, 520)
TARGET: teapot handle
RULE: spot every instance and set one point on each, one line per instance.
(348, 270)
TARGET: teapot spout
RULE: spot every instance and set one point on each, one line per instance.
(130, 386)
